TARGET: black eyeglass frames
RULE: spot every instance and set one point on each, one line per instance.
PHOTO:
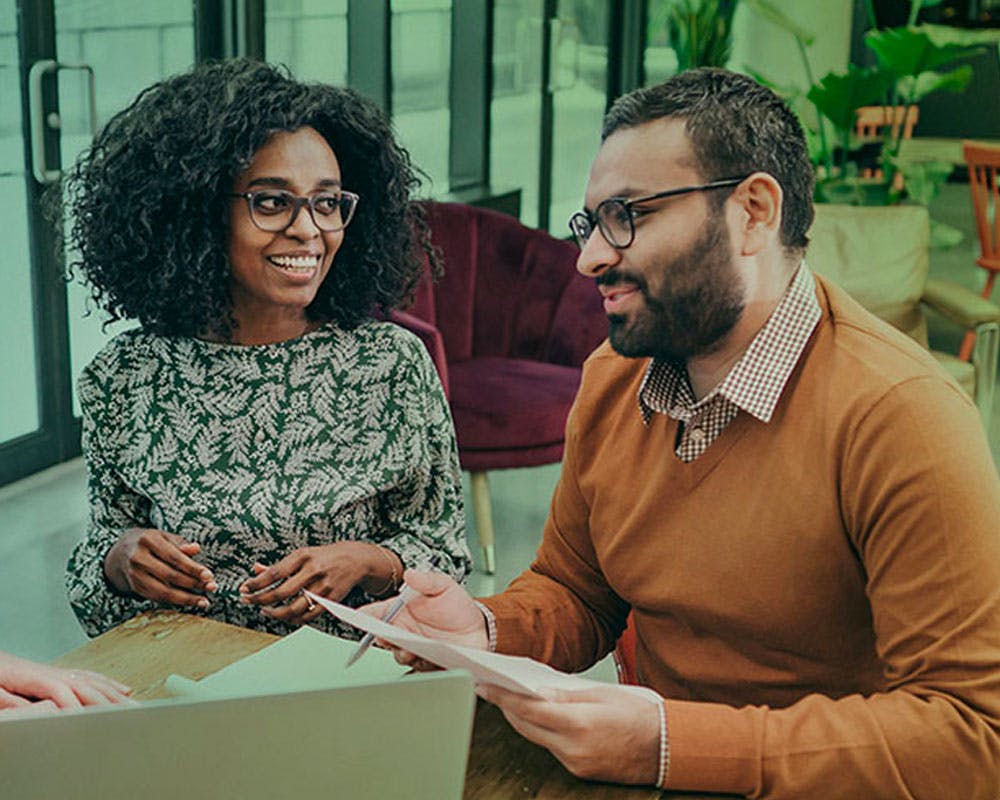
(275, 210)
(615, 217)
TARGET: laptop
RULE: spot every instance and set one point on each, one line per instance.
(408, 738)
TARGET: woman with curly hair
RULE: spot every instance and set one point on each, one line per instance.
(261, 432)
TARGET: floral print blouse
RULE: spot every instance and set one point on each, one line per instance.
(254, 451)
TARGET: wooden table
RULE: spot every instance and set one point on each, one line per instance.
(936, 148)
(144, 650)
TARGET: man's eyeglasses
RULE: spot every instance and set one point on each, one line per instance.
(275, 210)
(615, 217)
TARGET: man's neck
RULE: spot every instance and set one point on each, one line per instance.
(707, 371)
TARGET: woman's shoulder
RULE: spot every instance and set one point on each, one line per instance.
(119, 352)
(389, 340)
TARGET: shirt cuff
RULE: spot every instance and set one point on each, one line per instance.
(491, 625)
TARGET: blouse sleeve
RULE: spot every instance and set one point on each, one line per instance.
(113, 509)
(424, 515)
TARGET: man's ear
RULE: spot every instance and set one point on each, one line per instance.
(758, 200)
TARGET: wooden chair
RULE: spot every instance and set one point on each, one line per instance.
(983, 162)
(872, 122)
(624, 654)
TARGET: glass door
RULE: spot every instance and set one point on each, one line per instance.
(65, 67)
(578, 84)
(19, 396)
(127, 46)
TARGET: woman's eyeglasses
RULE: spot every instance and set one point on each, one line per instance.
(615, 217)
(275, 210)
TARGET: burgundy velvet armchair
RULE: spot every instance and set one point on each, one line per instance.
(508, 326)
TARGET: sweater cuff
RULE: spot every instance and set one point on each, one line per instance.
(714, 747)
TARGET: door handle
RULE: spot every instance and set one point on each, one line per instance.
(40, 120)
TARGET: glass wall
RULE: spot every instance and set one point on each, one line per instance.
(579, 81)
(18, 377)
(421, 65)
(129, 46)
(309, 37)
(516, 107)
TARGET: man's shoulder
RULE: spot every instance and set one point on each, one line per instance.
(860, 359)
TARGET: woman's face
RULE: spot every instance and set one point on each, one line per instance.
(275, 274)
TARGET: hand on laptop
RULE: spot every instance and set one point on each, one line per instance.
(26, 685)
(159, 566)
(444, 610)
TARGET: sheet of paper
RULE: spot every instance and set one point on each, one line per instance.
(305, 660)
(515, 673)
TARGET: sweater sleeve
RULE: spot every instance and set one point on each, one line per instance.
(424, 515)
(114, 508)
(920, 502)
(561, 610)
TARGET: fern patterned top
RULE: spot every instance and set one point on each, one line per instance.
(254, 451)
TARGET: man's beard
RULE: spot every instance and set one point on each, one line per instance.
(699, 303)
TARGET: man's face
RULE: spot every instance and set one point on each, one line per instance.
(674, 293)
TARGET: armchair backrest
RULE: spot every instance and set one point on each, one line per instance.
(878, 255)
(508, 290)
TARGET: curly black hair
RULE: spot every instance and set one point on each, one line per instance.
(148, 201)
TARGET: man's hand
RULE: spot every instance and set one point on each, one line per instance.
(603, 734)
(330, 571)
(27, 685)
(443, 610)
(159, 566)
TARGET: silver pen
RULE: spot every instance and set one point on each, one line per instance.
(405, 595)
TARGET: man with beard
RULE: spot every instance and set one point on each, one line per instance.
(798, 508)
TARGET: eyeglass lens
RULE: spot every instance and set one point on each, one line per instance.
(612, 217)
(276, 211)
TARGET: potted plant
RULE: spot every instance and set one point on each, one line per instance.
(911, 62)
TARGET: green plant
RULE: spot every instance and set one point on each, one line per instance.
(912, 62)
(699, 31)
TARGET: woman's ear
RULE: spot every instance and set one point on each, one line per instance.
(758, 200)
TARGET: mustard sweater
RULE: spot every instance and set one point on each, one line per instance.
(818, 597)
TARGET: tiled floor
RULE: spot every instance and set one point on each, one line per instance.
(42, 516)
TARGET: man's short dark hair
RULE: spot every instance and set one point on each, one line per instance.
(736, 126)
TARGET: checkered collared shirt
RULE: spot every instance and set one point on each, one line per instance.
(753, 385)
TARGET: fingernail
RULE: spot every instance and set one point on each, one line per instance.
(203, 603)
(211, 586)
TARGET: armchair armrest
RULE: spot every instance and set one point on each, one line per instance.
(432, 339)
(958, 304)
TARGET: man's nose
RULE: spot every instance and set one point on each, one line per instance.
(597, 256)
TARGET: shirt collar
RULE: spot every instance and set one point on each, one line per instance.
(756, 381)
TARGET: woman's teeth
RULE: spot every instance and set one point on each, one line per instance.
(295, 263)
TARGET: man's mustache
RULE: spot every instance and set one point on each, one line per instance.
(617, 277)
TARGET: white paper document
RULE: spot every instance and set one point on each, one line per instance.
(516, 673)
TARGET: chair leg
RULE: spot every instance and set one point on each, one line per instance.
(483, 512)
(969, 340)
(984, 359)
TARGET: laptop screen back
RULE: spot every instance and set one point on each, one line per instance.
(407, 738)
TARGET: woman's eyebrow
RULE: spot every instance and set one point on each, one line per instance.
(266, 180)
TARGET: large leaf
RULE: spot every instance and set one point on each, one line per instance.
(910, 51)
(915, 89)
(944, 236)
(839, 95)
(767, 10)
(924, 178)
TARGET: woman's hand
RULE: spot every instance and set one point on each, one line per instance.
(330, 571)
(158, 566)
(27, 685)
